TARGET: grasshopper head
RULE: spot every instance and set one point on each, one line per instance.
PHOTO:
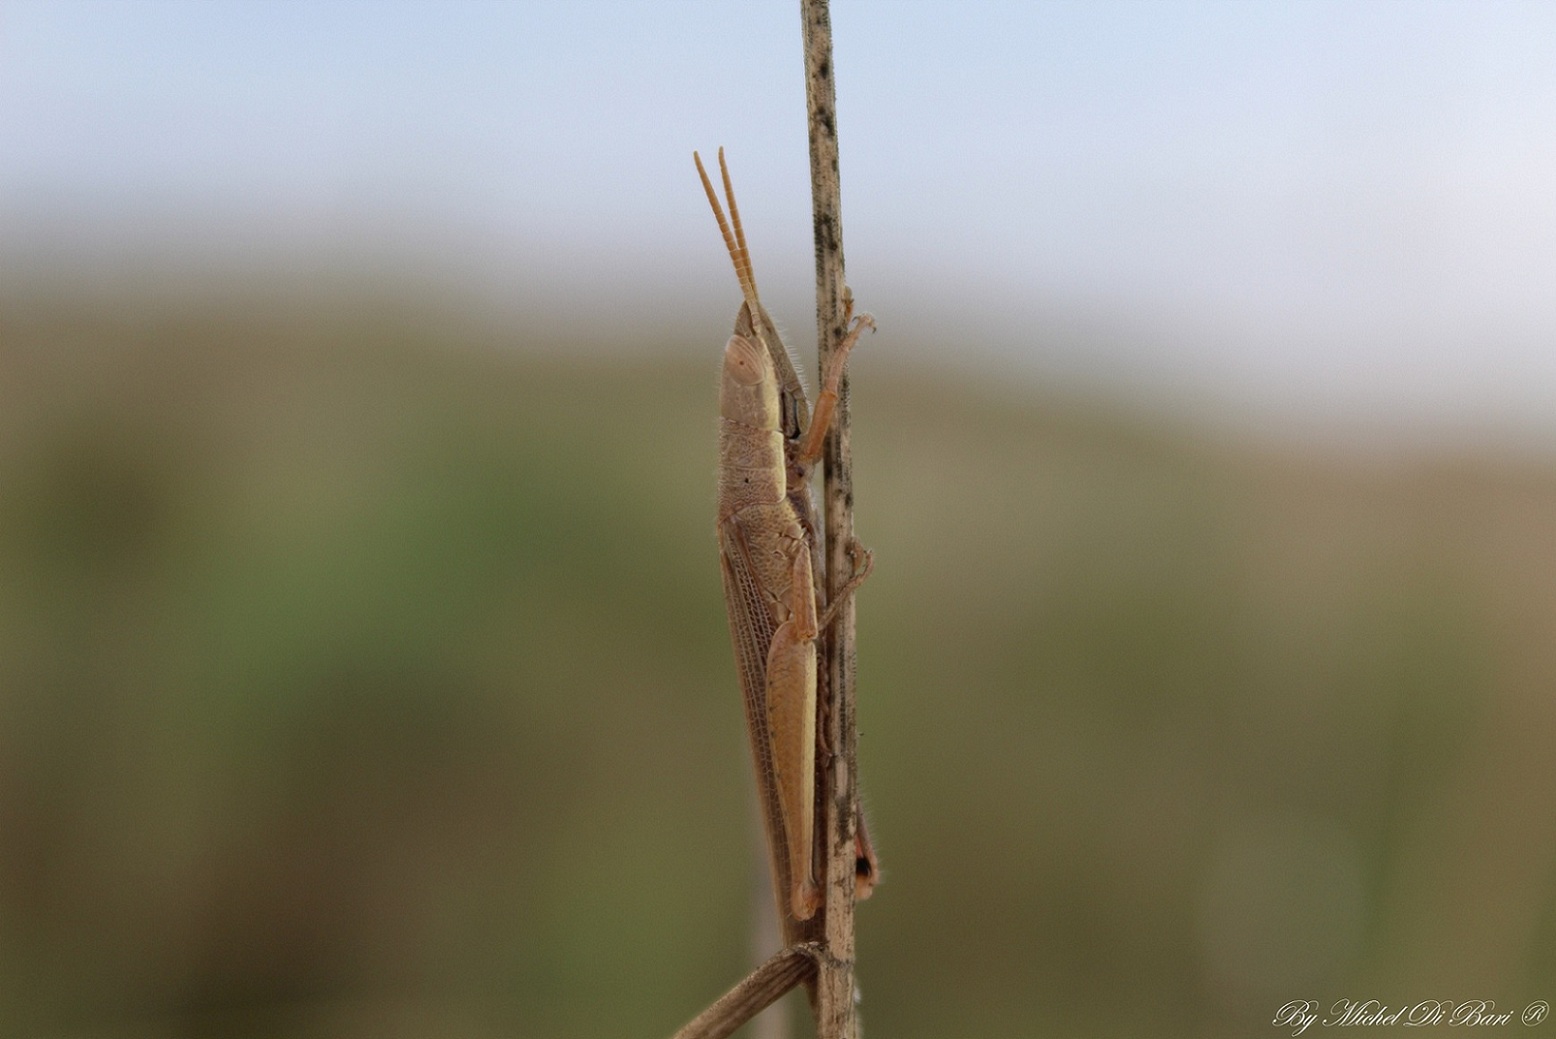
(748, 392)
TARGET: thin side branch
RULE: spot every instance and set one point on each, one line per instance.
(759, 990)
(837, 785)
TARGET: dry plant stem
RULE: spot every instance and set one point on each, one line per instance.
(759, 990)
(837, 782)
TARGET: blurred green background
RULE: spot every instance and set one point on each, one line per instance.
(364, 669)
(365, 673)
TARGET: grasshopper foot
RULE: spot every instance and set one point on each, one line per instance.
(867, 868)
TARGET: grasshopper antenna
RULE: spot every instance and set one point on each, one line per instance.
(734, 218)
(734, 241)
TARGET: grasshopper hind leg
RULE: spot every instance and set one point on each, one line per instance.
(791, 713)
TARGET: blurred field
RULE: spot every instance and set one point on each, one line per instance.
(363, 675)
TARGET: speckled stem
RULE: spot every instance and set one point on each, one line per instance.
(837, 780)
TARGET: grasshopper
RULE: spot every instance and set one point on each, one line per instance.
(769, 441)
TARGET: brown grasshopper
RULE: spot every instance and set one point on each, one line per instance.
(769, 441)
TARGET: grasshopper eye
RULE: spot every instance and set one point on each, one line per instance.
(742, 361)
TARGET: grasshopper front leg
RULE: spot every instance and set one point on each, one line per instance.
(809, 450)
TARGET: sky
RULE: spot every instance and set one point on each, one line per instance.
(1317, 213)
